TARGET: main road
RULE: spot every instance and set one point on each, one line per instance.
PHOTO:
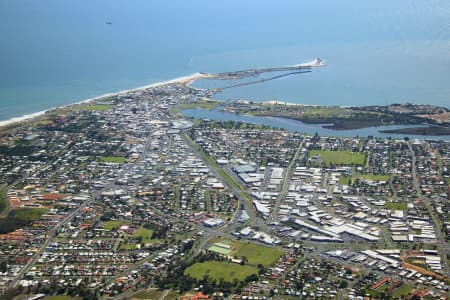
(443, 246)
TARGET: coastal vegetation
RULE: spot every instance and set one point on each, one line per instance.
(428, 130)
(348, 118)
(97, 107)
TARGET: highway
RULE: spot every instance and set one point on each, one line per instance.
(243, 197)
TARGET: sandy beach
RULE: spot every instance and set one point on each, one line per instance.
(183, 80)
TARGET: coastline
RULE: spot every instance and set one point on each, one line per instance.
(188, 79)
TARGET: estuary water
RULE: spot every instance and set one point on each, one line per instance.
(56, 52)
(310, 129)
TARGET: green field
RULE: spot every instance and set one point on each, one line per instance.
(376, 177)
(404, 290)
(172, 295)
(110, 225)
(218, 270)
(145, 234)
(325, 112)
(220, 250)
(376, 294)
(148, 295)
(345, 180)
(205, 104)
(257, 254)
(29, 214)
(127, 246)
(396, 205)
(112, 159)
(61, 297)
(99, 107)
(226, 242)
(338, 157)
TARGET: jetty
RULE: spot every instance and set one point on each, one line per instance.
(239, 75)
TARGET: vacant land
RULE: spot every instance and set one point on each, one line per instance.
(396, 205)
(337, 157)
(219, 269)
(257, 254)
(113, 159)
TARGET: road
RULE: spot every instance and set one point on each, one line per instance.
(239, 191)
(442, 245)
(95, 195)
(286, 181)
(49, 237)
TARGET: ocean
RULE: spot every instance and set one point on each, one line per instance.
(57, 52)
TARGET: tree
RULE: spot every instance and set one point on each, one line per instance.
(343, 284)
(3, 266)
(251, 278)
(261, 269)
